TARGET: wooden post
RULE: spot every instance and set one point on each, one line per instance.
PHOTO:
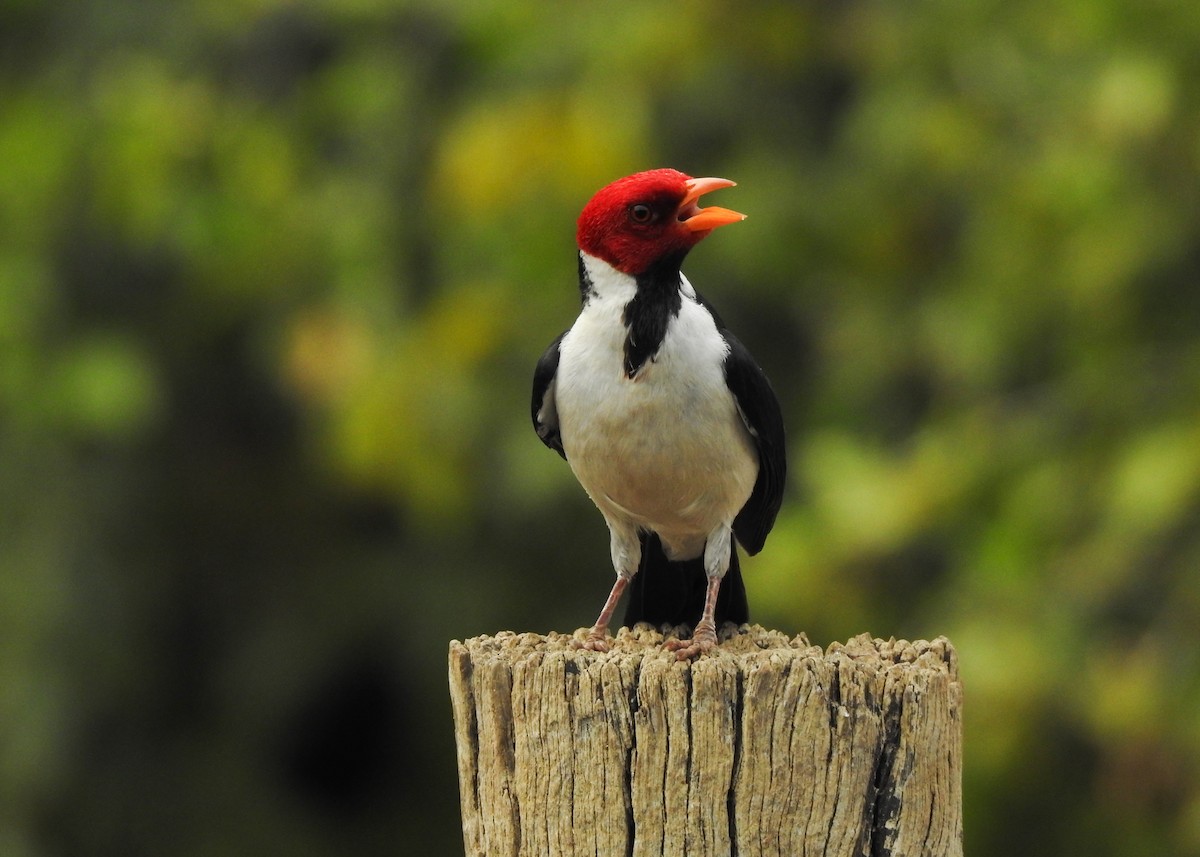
(770, 746)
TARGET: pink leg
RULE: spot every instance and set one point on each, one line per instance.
(597, 638)
(704, 635)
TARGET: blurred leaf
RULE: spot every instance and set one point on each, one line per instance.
(104, 386)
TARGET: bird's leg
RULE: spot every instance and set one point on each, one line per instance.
(597, 638)
(716, 563)
(626, 556)
(704, 635)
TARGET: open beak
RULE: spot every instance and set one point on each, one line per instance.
(699, 219)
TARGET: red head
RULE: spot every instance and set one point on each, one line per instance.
(642, 218)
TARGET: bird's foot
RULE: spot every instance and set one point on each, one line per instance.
(704, 640)
(596, 640)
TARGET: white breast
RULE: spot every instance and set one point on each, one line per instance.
(666, 450)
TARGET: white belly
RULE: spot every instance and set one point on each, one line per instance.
(666, 451)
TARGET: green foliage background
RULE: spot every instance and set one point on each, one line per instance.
(273, 278)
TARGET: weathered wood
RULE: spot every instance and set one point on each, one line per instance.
(769, 746)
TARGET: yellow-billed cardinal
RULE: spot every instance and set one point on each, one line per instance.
(665, 418)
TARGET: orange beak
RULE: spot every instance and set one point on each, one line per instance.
(699, 219)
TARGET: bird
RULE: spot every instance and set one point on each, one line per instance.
(665, 418)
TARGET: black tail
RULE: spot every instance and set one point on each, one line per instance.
(666, 592)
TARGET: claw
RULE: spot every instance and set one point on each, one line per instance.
(596, 641)
(704, 640)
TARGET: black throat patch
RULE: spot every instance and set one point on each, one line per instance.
(647, 315)
(586, 289)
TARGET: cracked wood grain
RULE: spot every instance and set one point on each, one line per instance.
(770, 746)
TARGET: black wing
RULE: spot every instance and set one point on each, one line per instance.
(543, 409)
(760, 411)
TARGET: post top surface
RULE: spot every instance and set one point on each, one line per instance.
(748, 642)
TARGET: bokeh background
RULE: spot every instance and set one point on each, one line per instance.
(273, 279)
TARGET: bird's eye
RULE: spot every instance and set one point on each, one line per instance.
(641, 213)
